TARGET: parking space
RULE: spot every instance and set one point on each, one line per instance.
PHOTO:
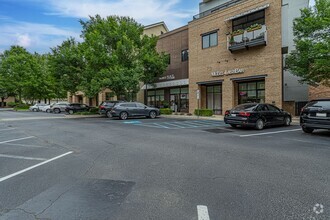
(20, 151)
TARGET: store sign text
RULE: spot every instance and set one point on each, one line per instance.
(227, 72)
(167, 77)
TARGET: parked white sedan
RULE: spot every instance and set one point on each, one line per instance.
(36, 107)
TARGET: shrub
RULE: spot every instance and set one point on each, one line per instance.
(11, 104)
(94, 110)
(203, 112)
(21, 107)
(165, 111)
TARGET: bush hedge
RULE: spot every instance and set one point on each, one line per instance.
(11, 104)
(21, 107)
(165, 111)
(203, 112)
(94, 110)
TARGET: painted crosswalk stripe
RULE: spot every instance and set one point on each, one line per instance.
(203, 213)
(171, 124)
(162, 126)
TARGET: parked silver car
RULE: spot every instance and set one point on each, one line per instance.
(132, 109)
(36, 107)
(59, 107)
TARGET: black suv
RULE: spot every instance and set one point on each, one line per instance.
(315, 115)
(106, 106)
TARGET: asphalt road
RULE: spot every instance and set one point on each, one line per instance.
(99, 168)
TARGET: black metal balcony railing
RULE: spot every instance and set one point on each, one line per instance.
(217, 8)
(247, 39)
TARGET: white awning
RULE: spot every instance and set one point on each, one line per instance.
(173, 83)
(248, 12)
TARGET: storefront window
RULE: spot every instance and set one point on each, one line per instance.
(156, 98)
(179, 99)
(251, 92)
(214, 98)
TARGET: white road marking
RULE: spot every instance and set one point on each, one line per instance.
(7, 129)
(274, 132)
(20, 157)
(203, 213)
(185, 124)
(162, 126)
(34, 166)
(171, 124)
(27, 145)
(19, 139)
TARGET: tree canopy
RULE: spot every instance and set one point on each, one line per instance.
(113, 54)
(311, 58)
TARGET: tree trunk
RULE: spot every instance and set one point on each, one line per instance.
(2, 104)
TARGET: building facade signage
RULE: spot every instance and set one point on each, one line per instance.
(227, 72)
(167, 77)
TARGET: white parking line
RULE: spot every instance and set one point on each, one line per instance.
(27, 145)
(7, 129)
(19, 139)
(34, 166)
(203, 213)
(171, 124)
(20, 157)
(274, 132)
(162, 126)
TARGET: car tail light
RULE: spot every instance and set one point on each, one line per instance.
(227, 112)
(102, 107)
(247, 114)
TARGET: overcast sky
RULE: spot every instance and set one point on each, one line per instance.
(40, 24)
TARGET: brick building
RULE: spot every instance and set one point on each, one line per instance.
(171, 89)
(236, 53)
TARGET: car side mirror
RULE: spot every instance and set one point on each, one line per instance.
(145, 107)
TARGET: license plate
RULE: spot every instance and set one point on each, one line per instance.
(233, 115)
(321, 114)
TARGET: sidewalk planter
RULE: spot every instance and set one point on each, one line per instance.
(203, 112)
(165, 111)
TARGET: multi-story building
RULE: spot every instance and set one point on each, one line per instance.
(236, 53)
(171, 89)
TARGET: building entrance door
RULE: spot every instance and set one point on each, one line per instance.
(174, 102)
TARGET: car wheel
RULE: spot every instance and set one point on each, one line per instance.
(123, 115)
(287, 121)
(48, 110)
(152, 114)
(307, 130)
(71, 112)
(260, 124)
(109, 115)
(34, 109)
(57, 111)
(234, 126)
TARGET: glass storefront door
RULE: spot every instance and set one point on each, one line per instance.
(214, 98)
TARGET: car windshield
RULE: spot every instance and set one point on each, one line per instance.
(245, 107)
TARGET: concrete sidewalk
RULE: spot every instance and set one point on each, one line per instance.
(295, 120)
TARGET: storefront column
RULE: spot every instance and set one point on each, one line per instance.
(228, 95)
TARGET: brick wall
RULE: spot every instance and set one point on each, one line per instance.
(319, 92)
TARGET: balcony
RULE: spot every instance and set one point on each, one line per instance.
(245, 39)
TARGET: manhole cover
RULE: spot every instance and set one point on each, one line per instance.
(218, 131)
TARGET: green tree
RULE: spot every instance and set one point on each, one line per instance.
(15, 68)
(311, 59)
(154, 63)
(117, 56)
(67, 66)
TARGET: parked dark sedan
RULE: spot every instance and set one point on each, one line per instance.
(106, 106)
(76, 107)
(257, 116)
(131, 109)
(315, 115)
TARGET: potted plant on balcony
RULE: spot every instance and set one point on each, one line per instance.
(231, 40)
(254, 27)
(237, 32)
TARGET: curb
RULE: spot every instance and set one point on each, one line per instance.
(83, 116)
